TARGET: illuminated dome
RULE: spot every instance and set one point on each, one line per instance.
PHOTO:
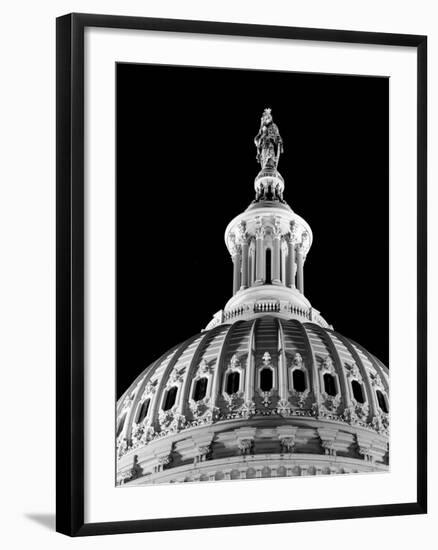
(268, 388)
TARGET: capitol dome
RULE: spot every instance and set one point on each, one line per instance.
(268, 388)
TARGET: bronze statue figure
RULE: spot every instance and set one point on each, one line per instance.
(268, 142)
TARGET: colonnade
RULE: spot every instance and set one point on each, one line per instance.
(257, 262)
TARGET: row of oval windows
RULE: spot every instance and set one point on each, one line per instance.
(232, 386)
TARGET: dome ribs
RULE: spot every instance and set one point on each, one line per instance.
(139, 391)
(162, 380)
(266, 338)
(294, 339)
(250, 363)
(311, 361)
(283, 382)
(371, 398)
(221, 361)
(332, 351)
(375, 363)
(193, 365)
(146, 373)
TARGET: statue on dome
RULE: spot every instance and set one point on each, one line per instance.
(268, 142)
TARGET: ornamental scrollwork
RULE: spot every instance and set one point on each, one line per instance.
(247, 409)
(331, 402)
(300, 397)
(327, 365)
(380, 423)
(287, 444)
(284, 407)
(353, 371)
(260, 231)
(242, 235)
(297, 361)
(203, 368)
(201, 407)
(356, 413)
(122, 446)
(293, 234)
(171, 420)
(234, 363)
(141, 434)
(175, 377)
(376, 381)
(211, 414)
(265, 397)
(266, 359)
(233, 400)
(148, 391)
(246, 446)
(328, 410)
(277, 228)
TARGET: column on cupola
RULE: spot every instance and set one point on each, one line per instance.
(290, 266)
(300, 267)
(236, 256)
(251, 264)
(276, 244)
(245, 262)
(259, 255)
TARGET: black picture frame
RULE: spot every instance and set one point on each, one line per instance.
(70, 273)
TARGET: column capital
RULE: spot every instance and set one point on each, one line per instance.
(260, 231)
(236, 251)
(235, 248)
(241, 230)
(277, 229)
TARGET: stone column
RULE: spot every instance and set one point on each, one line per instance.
(290, 270)
(300, 270)
(259, 255)
(245, 270)
(276, 259)
(250, 267)
(236, 269)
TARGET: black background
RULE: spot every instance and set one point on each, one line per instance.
(185, 167)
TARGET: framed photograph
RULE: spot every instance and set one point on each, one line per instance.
(241, 274)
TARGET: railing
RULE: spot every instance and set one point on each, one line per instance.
(268, 306)
(264, 307)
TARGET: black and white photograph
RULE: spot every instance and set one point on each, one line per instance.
(217, 263)
(252, 289)
(241, 288)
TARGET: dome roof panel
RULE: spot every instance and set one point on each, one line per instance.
(303, 345)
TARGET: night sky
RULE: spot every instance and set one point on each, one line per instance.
(186, 166)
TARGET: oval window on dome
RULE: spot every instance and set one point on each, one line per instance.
(299, 380)
(382, 401)
(329, 384)
(200, 389)
(357, 391)
(266, 379)
(233, 382)
(143, 411)
(170, 399)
